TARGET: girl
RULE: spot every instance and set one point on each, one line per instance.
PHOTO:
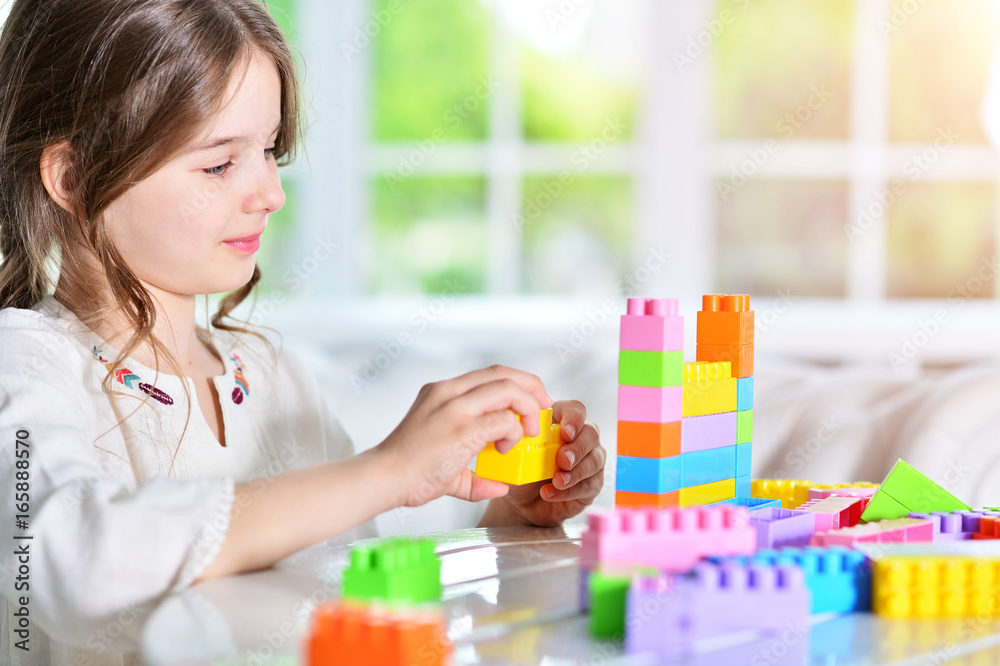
(139, 151)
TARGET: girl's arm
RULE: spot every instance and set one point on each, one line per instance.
(425, 457)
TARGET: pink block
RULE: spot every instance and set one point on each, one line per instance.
(672, 540)
(699, 433)
(649, 404)
(652, 325)
(843, 511)
(899, 530)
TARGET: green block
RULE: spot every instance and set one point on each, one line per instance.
(883, 507)
(608, 595)
(992, 508)
(400, 570)
(910, 491)
(744, 426)
(646, 368)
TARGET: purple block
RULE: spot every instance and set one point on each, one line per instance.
(668, 616)
(782, 527)
(700, 433)
(649, 404)
(652, 325)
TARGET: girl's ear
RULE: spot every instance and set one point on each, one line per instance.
(55, 166)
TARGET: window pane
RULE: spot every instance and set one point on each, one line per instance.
(940, 237)
(788, 236)
(428, 235)
(941, 54)
(782, 69)
(430, 69)
(580, 72)
(578, 235)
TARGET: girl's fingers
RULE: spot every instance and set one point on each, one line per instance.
(571, 453)
(527, 381)
(584, 491)
(498, 396)
(570, 415)
(588, 467)
(472, 488)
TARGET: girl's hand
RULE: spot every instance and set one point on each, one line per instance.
(578, 479)
(450, 423)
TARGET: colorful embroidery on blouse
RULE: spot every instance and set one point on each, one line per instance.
(126, 377)
(242, 387)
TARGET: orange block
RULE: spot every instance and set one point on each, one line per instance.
(632, 500)
(353, 635)
(649, 440)
(740, 357)
(725, 320)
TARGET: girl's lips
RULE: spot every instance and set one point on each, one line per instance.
(248, 246)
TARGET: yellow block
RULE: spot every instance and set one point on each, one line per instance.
(532, 459)
(707, 388)
(791, 493)
(925, 587)
(708, 493)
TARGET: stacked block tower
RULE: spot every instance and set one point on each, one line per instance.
(685, 429)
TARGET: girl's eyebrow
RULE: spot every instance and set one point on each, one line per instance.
(215, 143)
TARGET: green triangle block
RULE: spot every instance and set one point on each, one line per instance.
(883, 507)
(917, 492)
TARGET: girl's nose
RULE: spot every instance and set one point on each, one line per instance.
(267, 193)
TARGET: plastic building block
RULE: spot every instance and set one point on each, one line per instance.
(607, 595)
(645, 404)
(648, 475)
(837, 512)
(708, 388)
(913, 491)
(989, 528)
(708, 432)
(708, 493)
(649, 440)
(949, 526)
(743, 486)
(708, 466)
(649, 368)
(750, 503)
(792, 493)
(860, 489)
(652, 325)
(744, 393)
(899, 530)
(671, 540)
(634, 500)
(743, 455)
(782, 527)
(668, 616)
(532, 459)
(925, 587)
(839, 579)
(399, 570)
(744, 427)
(352, 635)
(725, 320)
(739, 357)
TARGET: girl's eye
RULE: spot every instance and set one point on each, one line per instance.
(269, 152)
(219, 170)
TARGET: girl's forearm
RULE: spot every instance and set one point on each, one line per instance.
(275, 517)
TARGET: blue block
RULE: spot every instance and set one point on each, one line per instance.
(708, 466)
(743, 486)
(751, 502)
(839, 579)
(743, 452)
(648, 475)
(744, 394)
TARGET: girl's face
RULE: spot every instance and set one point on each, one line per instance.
(179, 229)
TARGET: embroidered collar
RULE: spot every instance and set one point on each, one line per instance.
(127, 377)
(242, 386)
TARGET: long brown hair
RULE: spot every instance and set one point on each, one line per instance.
(125, 85)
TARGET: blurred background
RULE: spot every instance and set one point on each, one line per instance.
(488, 181)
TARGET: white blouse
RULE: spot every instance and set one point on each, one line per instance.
(118, 517)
